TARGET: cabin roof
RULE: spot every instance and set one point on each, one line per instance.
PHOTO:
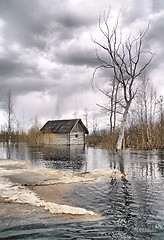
(62, 126)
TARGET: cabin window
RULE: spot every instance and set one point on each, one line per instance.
(76, 135)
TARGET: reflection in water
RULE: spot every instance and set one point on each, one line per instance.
(133, 207)
(8, 151)
(121, 162)
(161, 162)
(70, 158)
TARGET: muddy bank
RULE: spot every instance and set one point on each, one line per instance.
(22, 183)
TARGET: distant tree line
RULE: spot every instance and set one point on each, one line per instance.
(8, 134)
(144, 128)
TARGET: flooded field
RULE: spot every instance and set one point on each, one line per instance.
(125, 191)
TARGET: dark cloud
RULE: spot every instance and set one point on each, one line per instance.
(13, 66)
(25, 22)
(154, 41)
(28, 85)
(31, 23)
(47, 57)
(77, 55)
(8, 68)
(73, 20)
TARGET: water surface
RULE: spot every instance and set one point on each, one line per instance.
(133, 208)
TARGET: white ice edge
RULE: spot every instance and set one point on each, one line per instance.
(20, 194)
(17, 193)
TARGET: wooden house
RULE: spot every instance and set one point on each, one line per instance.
(64, 132)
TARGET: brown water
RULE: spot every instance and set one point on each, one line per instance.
(132, 207)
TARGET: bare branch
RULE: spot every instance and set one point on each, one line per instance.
(124, 63)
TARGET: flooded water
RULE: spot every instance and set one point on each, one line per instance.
(131, 207)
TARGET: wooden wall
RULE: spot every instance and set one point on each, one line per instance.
(57, 139)
(76, 137)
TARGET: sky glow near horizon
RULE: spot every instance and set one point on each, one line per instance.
(47, 57)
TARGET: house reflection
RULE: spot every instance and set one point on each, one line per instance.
(161, 162)
(71, 158)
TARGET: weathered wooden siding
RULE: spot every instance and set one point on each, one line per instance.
(77, 136)
(55, 138)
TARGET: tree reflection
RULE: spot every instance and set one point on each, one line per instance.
(161, 161)
(8, 151)
(131, 198)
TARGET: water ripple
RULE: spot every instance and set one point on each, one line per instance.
(133, 208)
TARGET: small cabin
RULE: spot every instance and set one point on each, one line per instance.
(64, 132)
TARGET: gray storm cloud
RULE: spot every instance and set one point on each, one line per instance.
(46, 50)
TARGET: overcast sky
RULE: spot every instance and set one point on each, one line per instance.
(47, 57)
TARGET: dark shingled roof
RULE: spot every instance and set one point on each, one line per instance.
(62, 126)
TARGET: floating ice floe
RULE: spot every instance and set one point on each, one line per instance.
(20, 193)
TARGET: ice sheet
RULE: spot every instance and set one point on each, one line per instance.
(17, 191)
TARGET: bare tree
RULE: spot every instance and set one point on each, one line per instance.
(144, 112)
(34, 135)
(94, 123)
(75, 114)
(161, 109)
(161, 120)
(124, 60)
(112, 105)
(9, 111)
(86, 117)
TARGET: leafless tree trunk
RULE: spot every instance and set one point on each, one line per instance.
(123, 60)
(8, 106)
(161, 121)
(112, 104)
(75, 114)
(122, 129)
(161, 109)
(34, 135)
(94, 123)
(145, 114)
(86, 117)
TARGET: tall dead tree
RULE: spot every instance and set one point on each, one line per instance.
(9, 112)
(125, 61)
(86, 117)
(112, 105)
